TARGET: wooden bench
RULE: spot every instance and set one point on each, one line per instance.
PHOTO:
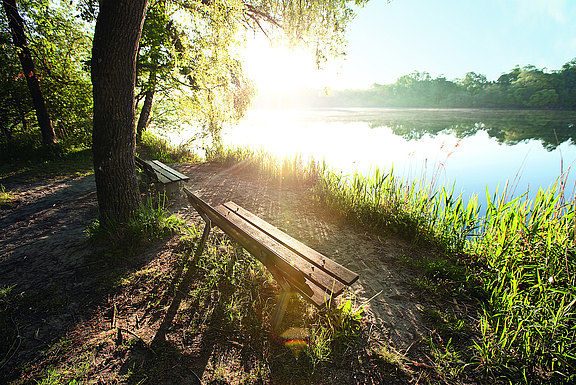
(296, 267)
(158, 172)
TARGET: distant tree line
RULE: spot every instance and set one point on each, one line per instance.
(522, 87)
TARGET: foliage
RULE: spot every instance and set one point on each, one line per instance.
(517, 262)
(60, 44)
(285, 170)
(416, 210)
(529, 322)
(157, 148)
(526, 87)
(7, 198)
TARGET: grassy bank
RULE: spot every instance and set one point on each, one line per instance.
(518, 261)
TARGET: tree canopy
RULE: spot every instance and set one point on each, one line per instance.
(58, 44)
(196, 52)
(522, 87)
(186, 70)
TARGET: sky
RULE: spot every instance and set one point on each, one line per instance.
(442, 37)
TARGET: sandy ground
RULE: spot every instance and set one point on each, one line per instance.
(292, 209)
(44, 257)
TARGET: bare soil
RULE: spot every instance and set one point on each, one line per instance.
(66, 306)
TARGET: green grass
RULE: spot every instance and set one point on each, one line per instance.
(286, 169)
(151, 222)
(7, 198)
(154, 147)
(518, 262)
(75, 162)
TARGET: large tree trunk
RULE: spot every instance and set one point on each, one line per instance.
(114, 49)
(147, 107)
(17, 30)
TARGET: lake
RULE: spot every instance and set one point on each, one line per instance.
(472, 149)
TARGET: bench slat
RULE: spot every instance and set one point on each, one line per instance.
(162, 173)
(334, 269)
(227, 226)
(319, 276)
(269, 257)
(174, 175)
(307, 288)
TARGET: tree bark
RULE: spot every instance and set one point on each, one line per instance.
(18, 36)
(115, 44)
(147, 107)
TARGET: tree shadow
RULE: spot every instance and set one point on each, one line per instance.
(51, 279)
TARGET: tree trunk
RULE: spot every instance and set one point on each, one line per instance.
(114, 48)
(147, 107)
(17, 30)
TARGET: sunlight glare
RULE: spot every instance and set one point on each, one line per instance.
(280, 70)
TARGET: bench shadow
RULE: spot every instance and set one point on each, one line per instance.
(217, 354)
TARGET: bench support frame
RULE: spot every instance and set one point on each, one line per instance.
(297, 268)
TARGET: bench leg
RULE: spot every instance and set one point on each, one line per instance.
(207, 228)
(280, 310)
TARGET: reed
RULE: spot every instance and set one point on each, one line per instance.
(291, 169)
(522, 253)
(527, 248)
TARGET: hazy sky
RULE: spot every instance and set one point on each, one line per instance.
(452, 37)
(442, 37)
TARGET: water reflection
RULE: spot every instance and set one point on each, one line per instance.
(510, 127)
(474, 149)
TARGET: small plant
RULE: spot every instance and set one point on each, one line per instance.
(6, 198)
(393, 358)
(148, 223)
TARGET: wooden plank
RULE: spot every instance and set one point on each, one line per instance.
(237, 233)
(333, 268)
(312, 272)
(153, 171)
(163, 173)
(307, 288)
(171, 171)
(148, 169)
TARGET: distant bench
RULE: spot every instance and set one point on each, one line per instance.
(158, 172)
(296, 267)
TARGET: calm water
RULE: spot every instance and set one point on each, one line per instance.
(472, 149)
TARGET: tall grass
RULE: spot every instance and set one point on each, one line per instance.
(414, 209)
(528, 251)
(522, 252)
(155, 147)
(287, 169)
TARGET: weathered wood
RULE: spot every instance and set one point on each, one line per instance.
(338, 271)
(322, 278)
(160, 172)
(314, 276)
(244, 236)
(170, 173)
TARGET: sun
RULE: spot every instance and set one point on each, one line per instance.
(278, 69)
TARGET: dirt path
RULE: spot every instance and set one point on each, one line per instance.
(56, 284)
(292, 209)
